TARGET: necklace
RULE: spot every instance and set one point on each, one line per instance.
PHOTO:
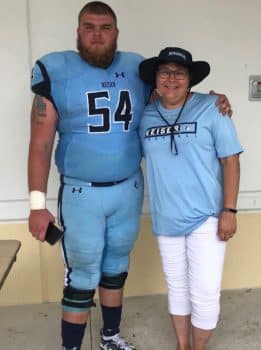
(172, 135)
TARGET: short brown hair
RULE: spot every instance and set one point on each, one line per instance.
(97, 8)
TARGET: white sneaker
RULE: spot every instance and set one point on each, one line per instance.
(116, 342)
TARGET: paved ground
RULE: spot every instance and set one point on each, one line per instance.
(146, 323)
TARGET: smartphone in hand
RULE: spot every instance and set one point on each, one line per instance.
(53, 234)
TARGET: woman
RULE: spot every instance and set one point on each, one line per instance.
(192, 162)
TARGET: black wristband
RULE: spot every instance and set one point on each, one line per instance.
(232, 210)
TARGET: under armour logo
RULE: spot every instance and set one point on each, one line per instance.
(75, 189)
(117, 75)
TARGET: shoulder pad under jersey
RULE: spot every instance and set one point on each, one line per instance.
(49, 68)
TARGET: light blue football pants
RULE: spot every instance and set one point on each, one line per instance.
(101, 225)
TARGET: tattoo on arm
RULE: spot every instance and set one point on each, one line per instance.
(39, 106)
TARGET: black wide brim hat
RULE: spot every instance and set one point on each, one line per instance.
(199, 70)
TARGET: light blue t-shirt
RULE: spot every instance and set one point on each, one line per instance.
(186, 188)
(99, 112)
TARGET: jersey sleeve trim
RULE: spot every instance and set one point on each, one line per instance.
(44, 88)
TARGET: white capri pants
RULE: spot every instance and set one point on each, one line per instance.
(193, 266)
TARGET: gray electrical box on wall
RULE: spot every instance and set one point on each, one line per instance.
(254, 88)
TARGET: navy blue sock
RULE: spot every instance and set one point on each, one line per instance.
(111, 320)
(72, 335)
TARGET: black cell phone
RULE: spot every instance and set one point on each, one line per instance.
(53, 234)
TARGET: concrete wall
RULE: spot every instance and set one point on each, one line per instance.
(227, 34)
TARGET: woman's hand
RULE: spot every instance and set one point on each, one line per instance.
(227, 225)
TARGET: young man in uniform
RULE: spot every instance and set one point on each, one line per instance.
(94, 99)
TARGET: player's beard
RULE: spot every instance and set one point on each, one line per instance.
(101, 60)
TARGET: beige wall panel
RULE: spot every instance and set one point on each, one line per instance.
(52, 273)
(145, 276)
(24, 283)
(37, 275)
(243, 256)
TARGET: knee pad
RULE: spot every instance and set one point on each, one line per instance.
(77, 298)
(113, 282)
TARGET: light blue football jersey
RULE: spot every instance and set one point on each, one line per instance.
(99, 112)
(185, 189)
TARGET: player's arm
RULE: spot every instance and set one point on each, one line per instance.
(222, 103)
(43, 128)
(231, 174)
